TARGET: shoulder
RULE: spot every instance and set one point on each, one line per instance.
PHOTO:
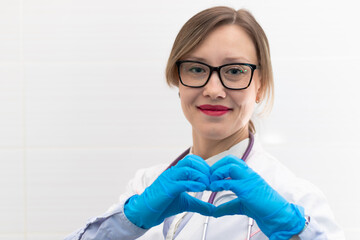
(281, 178)
(143, 178)
(295, 189)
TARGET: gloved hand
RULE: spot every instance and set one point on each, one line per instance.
(276, 217)
(167, 196)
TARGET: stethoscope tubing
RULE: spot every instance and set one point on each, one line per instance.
(206, 223)
(207, 219)
(213, 194)
(250, 225)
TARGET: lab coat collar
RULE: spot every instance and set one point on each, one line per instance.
(236, 150)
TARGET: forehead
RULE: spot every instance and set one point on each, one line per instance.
(225, 44)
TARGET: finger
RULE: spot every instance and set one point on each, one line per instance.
(177, 180)
(229, 159)
(233, 171)
(188, 174)
(191, 186)
(222, 172)
(240, 187)
(243, 188)
(187, 203)
(195, 162)
(165, 189)
(223, 185)
(229, 208)
(242, 172)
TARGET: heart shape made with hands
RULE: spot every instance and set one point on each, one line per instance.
(229, 173)
(254, 196)
(168, 194)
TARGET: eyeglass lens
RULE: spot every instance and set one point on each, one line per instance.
(233, 76)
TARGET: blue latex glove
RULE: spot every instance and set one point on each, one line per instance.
(167, 196)
(277, 218)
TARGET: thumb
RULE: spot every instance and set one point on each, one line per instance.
(229, 208)
(192, 204)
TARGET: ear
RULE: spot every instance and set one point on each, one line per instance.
(259, 89)
(259, 95)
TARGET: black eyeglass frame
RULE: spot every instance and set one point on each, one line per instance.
(216, 69)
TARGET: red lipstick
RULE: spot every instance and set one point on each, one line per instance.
(214, 110)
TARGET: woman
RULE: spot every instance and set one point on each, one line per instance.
(220, 62)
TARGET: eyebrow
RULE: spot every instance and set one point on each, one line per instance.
(225, 60)
(237, 59)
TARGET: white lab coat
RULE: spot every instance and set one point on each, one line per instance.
(114, 224)
(292, 188)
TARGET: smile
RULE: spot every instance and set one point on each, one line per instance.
(214, 110)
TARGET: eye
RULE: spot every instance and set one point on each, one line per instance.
(236, 71)
(196, 70)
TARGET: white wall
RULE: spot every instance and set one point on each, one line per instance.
(83, 103)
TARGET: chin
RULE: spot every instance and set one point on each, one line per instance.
(215, 134)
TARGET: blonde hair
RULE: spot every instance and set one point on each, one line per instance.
(199, 26)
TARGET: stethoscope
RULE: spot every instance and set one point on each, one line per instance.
(213, 194)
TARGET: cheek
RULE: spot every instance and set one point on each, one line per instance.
(245, 99)
(251, 92)
(183, 95)
(187, 98)
(245, 103)
(188, 94)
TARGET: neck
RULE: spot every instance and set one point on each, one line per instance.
(206, 148)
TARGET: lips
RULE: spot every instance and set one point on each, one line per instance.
(214, 110)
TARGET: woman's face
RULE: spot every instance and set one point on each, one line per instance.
(226, 44)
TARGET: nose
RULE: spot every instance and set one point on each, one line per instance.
(214, 89)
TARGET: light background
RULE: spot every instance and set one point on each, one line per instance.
(83, 103)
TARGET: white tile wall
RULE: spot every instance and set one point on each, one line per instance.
(318, 98)
(12, 194)
(83, 103)
(11, 105)
(96, 30)
(9, 30)
(75, 27)
(12, 237)
(95, 96)
(44, 236)
(12, 183)
(78, 184)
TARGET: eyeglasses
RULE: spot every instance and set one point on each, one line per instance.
(235, 76)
